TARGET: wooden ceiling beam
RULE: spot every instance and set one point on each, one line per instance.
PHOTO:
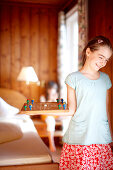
(13, 3)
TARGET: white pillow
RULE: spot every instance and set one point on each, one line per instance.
(9, 132)
(7, 110)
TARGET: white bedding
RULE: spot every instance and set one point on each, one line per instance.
(27, 150)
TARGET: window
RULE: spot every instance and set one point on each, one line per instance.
(67, 48)
(72, 40)
(73, 28)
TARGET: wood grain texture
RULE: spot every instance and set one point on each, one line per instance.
(25, 43)
(100, 14)
(42, 108)
(5, 47)
(53, 36)
(49, 166)
(15, 47)
(28, 37)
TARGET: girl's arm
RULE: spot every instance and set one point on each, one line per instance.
(71, 100)
(108, 114)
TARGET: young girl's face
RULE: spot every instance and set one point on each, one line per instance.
(98, 58)
(52, 94)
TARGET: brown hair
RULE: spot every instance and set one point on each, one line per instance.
(95, 44)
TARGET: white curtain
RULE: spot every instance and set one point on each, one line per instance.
(62, 57)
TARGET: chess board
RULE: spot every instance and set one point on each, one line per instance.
(42, 108)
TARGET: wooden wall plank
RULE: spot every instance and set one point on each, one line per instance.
(53, 36)
(25, 44)
(34, 53)
(34, 39)
(5, 47)
(15, 47)
(44, 46)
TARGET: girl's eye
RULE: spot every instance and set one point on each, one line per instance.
(100, 57)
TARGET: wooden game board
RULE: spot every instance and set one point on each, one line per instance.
(42, 108)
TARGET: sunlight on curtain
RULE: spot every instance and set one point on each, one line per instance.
(62, 55)
(71, 42)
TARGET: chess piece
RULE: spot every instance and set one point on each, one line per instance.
(30, 106)
(27, 101)
(32, 101)
(57, 100)
(62, 100)
(25, 107)
(64, 105)
(59, 106)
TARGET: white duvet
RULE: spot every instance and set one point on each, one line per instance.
(28, 149)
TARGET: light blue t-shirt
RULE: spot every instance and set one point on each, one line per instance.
(89, 124)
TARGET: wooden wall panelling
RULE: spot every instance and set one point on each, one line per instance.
(100, 23)
(28, 36)
(34, 53)
(109, 30)
(44, 46)
(15, 47)
(96, 18)
(25, 44)
(53, 36)
(5, 46)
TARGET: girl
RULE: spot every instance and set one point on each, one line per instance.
(87, 140)
(51, 96)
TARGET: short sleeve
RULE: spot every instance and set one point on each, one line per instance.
(108, 82)
(71, 81)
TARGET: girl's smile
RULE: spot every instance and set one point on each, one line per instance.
(97, 59)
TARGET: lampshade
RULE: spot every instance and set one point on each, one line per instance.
(27, 74)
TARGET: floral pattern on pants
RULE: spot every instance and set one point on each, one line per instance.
(86, 157)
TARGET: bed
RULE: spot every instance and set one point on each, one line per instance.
(22, 148)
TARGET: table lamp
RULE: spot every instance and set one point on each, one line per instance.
(27, 74)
